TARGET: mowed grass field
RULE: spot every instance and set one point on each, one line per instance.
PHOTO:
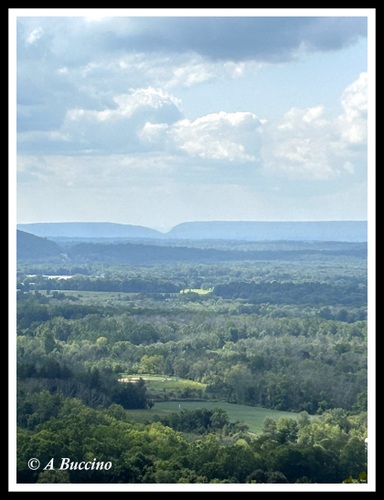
(199, 291)
(252, 416)
(97, 297)
(162, 387)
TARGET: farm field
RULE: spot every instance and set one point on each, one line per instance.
(174, 387)
(252, 416)
(163, 387)
(199, 291)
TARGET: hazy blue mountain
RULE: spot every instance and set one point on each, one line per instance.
(34, 248)
(272, 231)
(348, 231)
(88, 230)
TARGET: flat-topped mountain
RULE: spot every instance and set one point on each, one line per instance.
(272, 231)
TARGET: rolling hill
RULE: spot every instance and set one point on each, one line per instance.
(32, 248)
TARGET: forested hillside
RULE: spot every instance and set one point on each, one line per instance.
(284, 328)
(32, 248)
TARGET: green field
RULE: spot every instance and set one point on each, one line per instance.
(200, 291)
(174, 388)
(252, 416)
(161, 387)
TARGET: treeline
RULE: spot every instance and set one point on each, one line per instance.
(328, 449)
(96, 389)
(100, 284)
(310, 364)
(139, 254)
(351, 292)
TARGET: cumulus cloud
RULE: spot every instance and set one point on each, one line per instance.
(112, 129)
(151, 119)
(128, 104)
(50, 89)
(306, 143)
(69, 63)
(230, 137)
(353, 122)
(303, 144)
(220, 136)
(302, 154)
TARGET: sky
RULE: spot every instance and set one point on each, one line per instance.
(158, 117)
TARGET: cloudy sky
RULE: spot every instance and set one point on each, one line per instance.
(159, 117)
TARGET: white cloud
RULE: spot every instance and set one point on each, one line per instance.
(306, 144)
(117, 128)
(353, 121)
(297, 146)
(219, 136)
(190, 73)
(34, 35)
(127, 105)
(229, 137)
(179, 70)
(299, 119)
(150, 119)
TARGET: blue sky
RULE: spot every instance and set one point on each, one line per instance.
(157, 117)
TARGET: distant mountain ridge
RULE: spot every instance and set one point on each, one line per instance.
(348, 231)
(354, 231)
(36, 249)
(88, 230)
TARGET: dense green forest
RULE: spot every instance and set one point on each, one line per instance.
(282, 327)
